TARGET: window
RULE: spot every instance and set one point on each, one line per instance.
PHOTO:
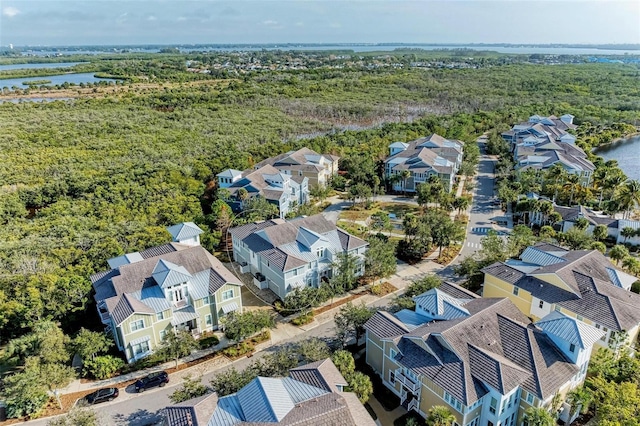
(208, 320)
(516, 290)
(541, 304)
(137, 325)
(227, 295)
(504, 405)
(163, 333)
(572, 348)
(580, 318)
(206, 300)
(392, 353)
(160, 316)
(604, 338)
(558, 308)
(177, 294)
(320, 252)
(392, 377)
(529, 398)
(140, 348)
(494, 404)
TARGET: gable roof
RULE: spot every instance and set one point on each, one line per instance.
(185, 230)
(322, 374)
(570, 329)
(496, 346)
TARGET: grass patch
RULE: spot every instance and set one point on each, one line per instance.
(303, 319)
(399, 209)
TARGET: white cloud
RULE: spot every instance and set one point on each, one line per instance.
(122, 18)
(270, 23)
(152, 18)
(182, 19)
(10, 12)
(335, 25)
(299, 24)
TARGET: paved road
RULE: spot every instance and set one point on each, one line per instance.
(483, 210)
(128, 408)
(144, 409)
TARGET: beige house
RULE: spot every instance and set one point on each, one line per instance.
(318, 168)
(176, 286)
(481, 358)
(582, 284)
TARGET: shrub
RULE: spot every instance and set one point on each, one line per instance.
(303, 319)
(206, 341)
(238, 350)
(103, 367)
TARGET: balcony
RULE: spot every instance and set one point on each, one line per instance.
(413, 405)
(412, 384)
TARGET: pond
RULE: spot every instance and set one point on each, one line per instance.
(39, 66)
(76, 78)
(626, 152)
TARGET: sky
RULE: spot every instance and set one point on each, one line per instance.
(115, 22)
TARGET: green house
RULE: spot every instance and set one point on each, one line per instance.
(176, 286)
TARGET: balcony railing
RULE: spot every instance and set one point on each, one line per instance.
(412, 384)
(413, 405)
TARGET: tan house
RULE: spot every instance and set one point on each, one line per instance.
(318, 168)
(583, 284)
(176, 286)
(481, 358)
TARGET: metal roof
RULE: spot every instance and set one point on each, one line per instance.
(441, 305)
(184, 230)
(184, 315)
(265, 399)
(412, 319)
(570, 329)
(230, 307)
(168, 274)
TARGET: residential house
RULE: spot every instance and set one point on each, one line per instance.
(311, 395)
(318, 168)
(614, 226)
(284, 255)
(284, 190)
(544, 141)
(582, 284)
(481, 358)
(175, 286)
(423, 158)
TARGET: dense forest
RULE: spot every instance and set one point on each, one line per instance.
(87, 179)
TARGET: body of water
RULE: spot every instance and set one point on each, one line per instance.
(525, 50)
(55, 79)
(627, 153)
(38, 66)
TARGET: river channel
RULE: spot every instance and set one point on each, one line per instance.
(626, 152)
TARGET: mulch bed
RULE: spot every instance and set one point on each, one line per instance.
(338, 303)
(384, 289)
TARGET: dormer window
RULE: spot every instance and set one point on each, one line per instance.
(320, 252)
(177, 293)
(572, 348)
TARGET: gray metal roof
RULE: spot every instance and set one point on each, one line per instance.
(168, 274)
(570, 329)
(441, 305)
(411, 319)
(183, 315)
(184, 230)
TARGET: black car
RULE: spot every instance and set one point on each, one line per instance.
(102, 395)
(159, 378)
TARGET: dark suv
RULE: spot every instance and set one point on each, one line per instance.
(159, 378)
(101, 395)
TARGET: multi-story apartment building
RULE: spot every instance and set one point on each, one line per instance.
(423, 158)
(284, 255)
(176, 286)
(481, 358)
(284, 190)
(318, 168)
(582, 284)
(544, 141)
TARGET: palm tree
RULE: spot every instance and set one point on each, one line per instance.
(572, 184)
(461, 203)
(627, 232)
(629, 196)
(618, 252)
(538, 416)
(546, 207)
(632, 265)
(394, 180)
(557, 174)
(439, 415)
(406, 174)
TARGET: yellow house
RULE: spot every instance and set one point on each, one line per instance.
(176, 286)
(582, 284)
(487, 366)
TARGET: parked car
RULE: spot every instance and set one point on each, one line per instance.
(102, 395)
(159, 378)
